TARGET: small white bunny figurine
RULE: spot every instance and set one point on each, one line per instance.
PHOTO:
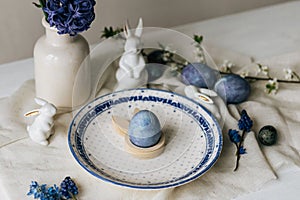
(42, 127)
(132, 72)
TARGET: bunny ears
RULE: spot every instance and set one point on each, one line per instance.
(34, 112)
(40, 101)
(138, 30)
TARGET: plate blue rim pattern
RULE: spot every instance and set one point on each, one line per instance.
(103, 176)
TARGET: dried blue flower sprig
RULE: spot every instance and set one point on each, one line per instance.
(245, 124)
(67, 190)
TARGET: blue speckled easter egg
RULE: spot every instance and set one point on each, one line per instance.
(155, 71)
(233, 89)
(267, 135)
(199, 75)
(144, 129)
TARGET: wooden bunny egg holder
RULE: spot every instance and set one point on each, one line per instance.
(121, 126)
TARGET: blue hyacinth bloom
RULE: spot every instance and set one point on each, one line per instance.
(36, 190)
(41, 192)
(68, 188)
(52, 193)
(70, 16)
(234, 136)
(242, 150)
(245, 123)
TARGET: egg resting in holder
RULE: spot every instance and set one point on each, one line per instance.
(143, 136)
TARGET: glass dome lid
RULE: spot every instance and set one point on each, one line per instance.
(166, 53)
(171, 89)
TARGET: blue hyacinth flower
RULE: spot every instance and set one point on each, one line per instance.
(245, 123)
(70, 17)
(242, 150)
(68, 188)
(234, 136)
(36, 190)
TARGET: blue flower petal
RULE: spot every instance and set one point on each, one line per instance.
(242, 150)
(70, 17)
(245, 123)
(234, 136)
(68, 188)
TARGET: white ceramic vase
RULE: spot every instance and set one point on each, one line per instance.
(62, 73)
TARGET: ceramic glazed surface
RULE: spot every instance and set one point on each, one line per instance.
(193, 140)
(60, 61)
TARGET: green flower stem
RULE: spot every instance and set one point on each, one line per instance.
(73, 197)
(238, 155)
(263, 79)
(236, 144)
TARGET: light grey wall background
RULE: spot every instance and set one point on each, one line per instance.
(20, 21)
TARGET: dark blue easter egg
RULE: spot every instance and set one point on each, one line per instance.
(233, 89)
(199, 75)
(267, 135)
(156, 56)
(144, 129)
(155, 71)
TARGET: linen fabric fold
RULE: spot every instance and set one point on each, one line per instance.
(21, 160)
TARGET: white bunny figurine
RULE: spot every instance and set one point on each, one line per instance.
(42, 127)
(132, 72)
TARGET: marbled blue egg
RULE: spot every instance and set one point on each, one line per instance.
(199, 75)
(233, 89)
(144, 129)
(155, 71)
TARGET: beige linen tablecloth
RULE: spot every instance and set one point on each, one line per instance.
(22, 160)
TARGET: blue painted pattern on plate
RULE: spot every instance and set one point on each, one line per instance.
(193, 140)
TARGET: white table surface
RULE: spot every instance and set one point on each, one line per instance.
(259, 33)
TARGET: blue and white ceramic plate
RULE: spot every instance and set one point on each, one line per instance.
(193, 140)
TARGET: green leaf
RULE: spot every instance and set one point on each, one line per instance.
(43, 3)
(198, 38)
(110, 32)
(259, 65)
(37, 5)
(269, 91)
